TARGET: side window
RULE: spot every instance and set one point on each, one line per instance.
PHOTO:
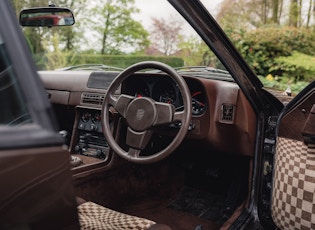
(13, 109)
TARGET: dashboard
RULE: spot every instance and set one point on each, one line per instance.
(222, 117)
(162, 88)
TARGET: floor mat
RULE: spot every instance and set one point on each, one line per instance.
(199, 203)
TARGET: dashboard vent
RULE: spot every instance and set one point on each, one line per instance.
(92, 98)
(227, 113)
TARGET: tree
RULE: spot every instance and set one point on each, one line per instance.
(32, 35)
(18, 5)
(69, 35)
(275, 12)
(195, 52)
(294, 13)
(115, 29)
(165, 36)
(37, 36)
(309, 12)
(234, 15)
(251, 14)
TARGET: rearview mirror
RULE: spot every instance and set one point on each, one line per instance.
(46, 17)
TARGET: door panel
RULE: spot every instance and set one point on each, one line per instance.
(293, 200)
(35, 191)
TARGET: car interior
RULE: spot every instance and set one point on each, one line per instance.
(204, 181)
(169, 146)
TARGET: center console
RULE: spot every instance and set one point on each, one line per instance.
(88, 144)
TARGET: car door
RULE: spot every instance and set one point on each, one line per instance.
(36, 189)
(293, 199)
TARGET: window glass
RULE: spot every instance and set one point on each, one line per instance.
(148, 30)
(13, 106)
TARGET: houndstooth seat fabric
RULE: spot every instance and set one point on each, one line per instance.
(293, 203)
(94, 216)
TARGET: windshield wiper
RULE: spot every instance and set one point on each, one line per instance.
(91, 67)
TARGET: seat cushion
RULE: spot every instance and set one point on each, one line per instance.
(94, 216)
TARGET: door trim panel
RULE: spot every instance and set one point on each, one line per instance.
(37, 189)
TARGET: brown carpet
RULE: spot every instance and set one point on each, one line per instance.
(160, 211)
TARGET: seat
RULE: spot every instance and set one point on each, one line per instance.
(96, 217)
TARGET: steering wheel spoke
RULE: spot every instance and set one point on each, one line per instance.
(133, 153)
(138, 140)
(179, 116)
(165, 113)
(120, 104)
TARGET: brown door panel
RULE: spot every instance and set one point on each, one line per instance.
(293, 122)
(36, 189)
(293, 200)
(309, 127)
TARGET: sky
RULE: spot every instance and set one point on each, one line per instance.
(162, 8)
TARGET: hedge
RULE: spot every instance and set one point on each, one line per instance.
(121, 61)
(261, 47)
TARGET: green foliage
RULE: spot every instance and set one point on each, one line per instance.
(115, 29)
(282, 84)
(37, 36)
(298, 66)
(195, 52)
(111, 22)
(33, 37)
(59, 59)
(261, 47)
(123, 61)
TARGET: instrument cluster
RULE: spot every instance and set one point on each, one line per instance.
(163, 89)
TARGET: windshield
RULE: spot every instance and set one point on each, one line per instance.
(112, 35)
(115, 34)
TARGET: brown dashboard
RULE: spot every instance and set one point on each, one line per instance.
(222, 117)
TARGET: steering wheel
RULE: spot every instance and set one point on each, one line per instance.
(142, 114)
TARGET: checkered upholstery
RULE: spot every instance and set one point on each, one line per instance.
(293, 200)
(93, 216)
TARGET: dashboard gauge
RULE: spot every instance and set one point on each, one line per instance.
(85, 117)
(168, 96)
(198, 103)
(136, 87)
(96, 118)
(143, 92)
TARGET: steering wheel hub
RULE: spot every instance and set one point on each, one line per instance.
(141, 114)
